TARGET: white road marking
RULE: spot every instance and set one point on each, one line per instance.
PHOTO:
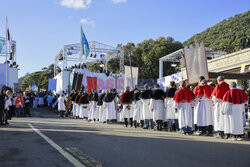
(69, 157)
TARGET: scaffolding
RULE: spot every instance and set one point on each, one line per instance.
(72, 54)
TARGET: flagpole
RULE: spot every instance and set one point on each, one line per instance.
(131, 73)
(7, 47)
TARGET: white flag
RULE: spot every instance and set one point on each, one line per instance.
(8, 38)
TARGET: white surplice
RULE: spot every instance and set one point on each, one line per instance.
(184, 114)
(233, 123)
(158, 109)
(137, 115)
(203, 112)
(146, 113)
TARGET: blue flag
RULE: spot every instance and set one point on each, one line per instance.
(85, 45)
(1, 45)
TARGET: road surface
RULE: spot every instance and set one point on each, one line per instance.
(45, 140)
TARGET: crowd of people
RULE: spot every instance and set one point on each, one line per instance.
(14, 104)
(206, 109)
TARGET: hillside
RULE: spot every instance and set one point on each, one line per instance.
(227, 35)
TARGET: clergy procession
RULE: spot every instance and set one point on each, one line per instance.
(206, 110)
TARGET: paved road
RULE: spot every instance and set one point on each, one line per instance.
(68, 142)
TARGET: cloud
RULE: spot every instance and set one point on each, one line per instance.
(119, 1)
(88, 22)
(76, 4)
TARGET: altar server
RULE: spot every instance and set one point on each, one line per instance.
(157, 106)
(73, 97)
(233, 107)
(147, 115)
(137, 114)
(183, 105)
(102, 114)
(203, 111)
(126, 101)
(217, 96)
(94, 112)
(171, 115)
(77, 106)
(109, 105)
(84, 105)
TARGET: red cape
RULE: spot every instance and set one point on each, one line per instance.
(184, 95)
(235, 96)
(126, 97)
(203, 90)
(220, 90)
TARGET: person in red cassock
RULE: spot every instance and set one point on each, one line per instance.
(203, 111)
(183, 100)
(126, 101)
(217, 96)
(233, 107)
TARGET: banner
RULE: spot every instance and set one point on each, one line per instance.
(92, 83)
(79, 82)
(196, 63)
(165, 81)
(74, 81)
(127, 78)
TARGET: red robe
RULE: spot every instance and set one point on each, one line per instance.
(126, 97)
(220, 90)
(203, 90)
(235, 96)
(184, 95)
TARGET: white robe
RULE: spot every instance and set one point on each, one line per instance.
(158, 109)
(184, 114)
(83, 110)
(102, 113)
(146, 113)
(137, 115)
(203, 112)
(109, 109)
(74, 109)
(61, 105)
(77, 110)
(218, 117)
(94, 111)
(170, 109)
(233, 123)
(127, 111)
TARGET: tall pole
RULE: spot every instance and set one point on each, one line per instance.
(131, 73)
(8, 49)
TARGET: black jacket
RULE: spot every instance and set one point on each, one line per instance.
(158, 94)
(84, 99)
(2, 101)
(100, 99)
(171, 92)
(136, 96)
(146, 94)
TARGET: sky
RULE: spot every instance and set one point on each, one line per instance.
(42, 27)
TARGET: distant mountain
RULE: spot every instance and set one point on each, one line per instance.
(229, 35)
